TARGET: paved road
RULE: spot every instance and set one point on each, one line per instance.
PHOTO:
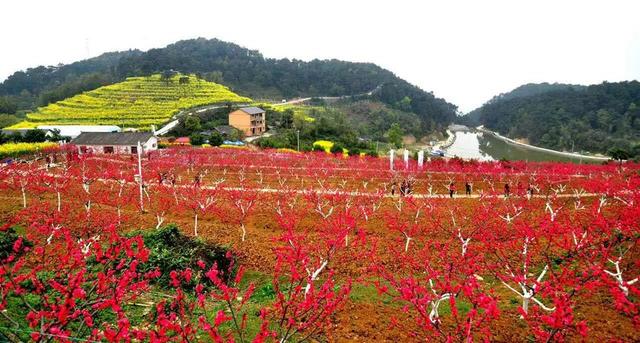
(165, 129)
(329, 98)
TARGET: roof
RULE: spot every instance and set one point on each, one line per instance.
(112, 138)
(75, 130)
(182, 140)
(252, 110)
(225, 129)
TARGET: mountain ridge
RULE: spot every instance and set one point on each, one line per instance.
(244, 71)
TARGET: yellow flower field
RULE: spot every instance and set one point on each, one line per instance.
(18, 149)
(137, 102)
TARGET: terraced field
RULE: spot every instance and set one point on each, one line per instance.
(137, 102)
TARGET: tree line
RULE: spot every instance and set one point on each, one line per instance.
(243, 70)
(600, 118)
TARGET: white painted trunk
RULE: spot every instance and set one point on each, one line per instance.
(195, 225)
(24, 198)
(59, 201)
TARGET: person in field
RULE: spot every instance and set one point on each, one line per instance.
(529, 192)
(452, 189)
(507, 190)
(403, 188)
(394, 186)
(467, 188)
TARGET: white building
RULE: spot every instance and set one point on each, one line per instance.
(115, 142)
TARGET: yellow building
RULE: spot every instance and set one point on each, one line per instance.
(250, 120)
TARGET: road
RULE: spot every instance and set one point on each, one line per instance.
(169, 126)
(326, 98)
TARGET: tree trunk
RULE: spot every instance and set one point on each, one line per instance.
(195, 225)
(24, 198)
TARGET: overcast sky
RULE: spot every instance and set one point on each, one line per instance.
(463, 51)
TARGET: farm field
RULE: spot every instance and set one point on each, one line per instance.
(317, 248)
(137, 102)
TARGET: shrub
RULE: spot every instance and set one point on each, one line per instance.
(196, 139)
(372, 153)
(172, 250)
(323, 145)
(216, 139)
(336, 149)
(7, 240)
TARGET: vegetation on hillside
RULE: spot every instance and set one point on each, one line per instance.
(245, 71)
(41, 85)
(137, 102)
(598, 118)
(529, 89)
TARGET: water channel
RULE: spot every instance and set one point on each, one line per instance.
(486, 147)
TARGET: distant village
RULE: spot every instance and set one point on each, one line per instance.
(111, 139)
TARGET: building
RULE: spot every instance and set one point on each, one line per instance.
(225, 130)
(71, 131)
(115, 142)
(182, 141)
(250, 120)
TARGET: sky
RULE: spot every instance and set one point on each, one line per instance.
(463, 51)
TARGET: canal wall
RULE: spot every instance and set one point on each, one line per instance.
(536, 148)
(450, 140)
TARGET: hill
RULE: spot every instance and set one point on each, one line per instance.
(42, 85)
(530, 89)
(248, 72)
(136, 102)
(596, 118)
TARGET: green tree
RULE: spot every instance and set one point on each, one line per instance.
(215, 139)
(7, 105)
(196, 139)
(236, 135)
(192, 124)
(8, 120)
(35, 136)
(394, 135)
(619, 154)
(166, 76)
(404, 104)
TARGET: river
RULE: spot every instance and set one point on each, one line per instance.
(486, 147)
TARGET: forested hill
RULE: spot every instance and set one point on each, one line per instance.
(596, 118)
(529, 89)
(42, 85)
(244, 71)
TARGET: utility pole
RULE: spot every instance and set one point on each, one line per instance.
(298, 135)
(140, 175)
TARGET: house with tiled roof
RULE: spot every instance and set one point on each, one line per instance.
(250, 120)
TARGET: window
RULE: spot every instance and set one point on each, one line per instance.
(134, 149)
(108, 150)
